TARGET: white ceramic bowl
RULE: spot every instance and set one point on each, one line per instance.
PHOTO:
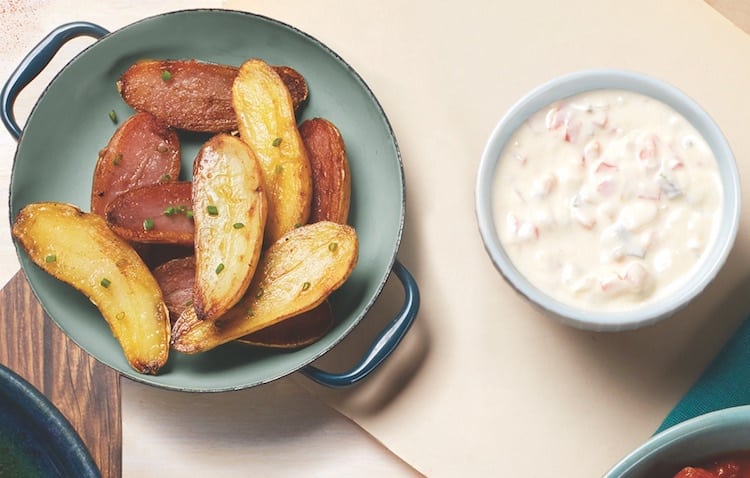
(580, 82)
(689, 443)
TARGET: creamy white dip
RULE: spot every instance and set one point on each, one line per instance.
(607, 199)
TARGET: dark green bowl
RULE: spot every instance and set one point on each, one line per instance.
(35, 438)
(58, 149)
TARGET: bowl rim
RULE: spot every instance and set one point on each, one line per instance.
(684, 431)
(587, 80)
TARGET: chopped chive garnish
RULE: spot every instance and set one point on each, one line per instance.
(170, 211)
(212, 210)
(50, 258)
(117, 159)
(189, 214)
(238, 225)
(219, 268)
(105, 283)
(113, 116)
(333, 246)
(120, 315)
(165, 178)
(148, 224)
(297, 224)
(305, 286)
(276, 142)
(166, 75)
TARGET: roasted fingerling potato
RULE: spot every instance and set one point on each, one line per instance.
(331, 179)
(79, 249)
(177, 276)
(142, 151)
(296, 274)
(193, 95)
(154, 214)
(266, 122)
(229, 211)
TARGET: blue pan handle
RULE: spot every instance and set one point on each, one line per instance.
(34, 63)
(383, 345)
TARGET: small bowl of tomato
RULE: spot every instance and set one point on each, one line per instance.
(713, 445)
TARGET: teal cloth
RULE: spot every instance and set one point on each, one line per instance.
(725, 382)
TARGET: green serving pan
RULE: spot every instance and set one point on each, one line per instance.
(58, 148)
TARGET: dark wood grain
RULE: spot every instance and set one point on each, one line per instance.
(84, 390)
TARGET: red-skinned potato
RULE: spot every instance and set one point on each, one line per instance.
(193, 95)
(154, 214)
(142, 151)
(331, 179)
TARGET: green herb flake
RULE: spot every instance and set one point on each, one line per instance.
(212, 210)
(170, 211)
(305, 286)
(165, 178)
(113, 116)
(117, 159)
(120, 315)
(333, 246)
(219, 268)
(276, 142)
(50, 258)
(166, 75)
(297, 224)
(238, 225)
(189, 214)
(105, 283)
(148, 224)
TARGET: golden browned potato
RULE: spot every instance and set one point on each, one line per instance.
(266, 122)
(177, 276)
(79, 249)
(331, 191)
(142, 151)
(296, 274)
(154, 214)
(229, 211)
(193, 95)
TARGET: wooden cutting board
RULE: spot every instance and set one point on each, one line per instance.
(84, 390)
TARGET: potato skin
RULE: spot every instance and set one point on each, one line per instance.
(79, 249)
(176, 278)
(267, 124)
(294, 332)
(296, 274)
(154, 214)
(142, 151)
(229, 211)
(331, 179)
(193, 95)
